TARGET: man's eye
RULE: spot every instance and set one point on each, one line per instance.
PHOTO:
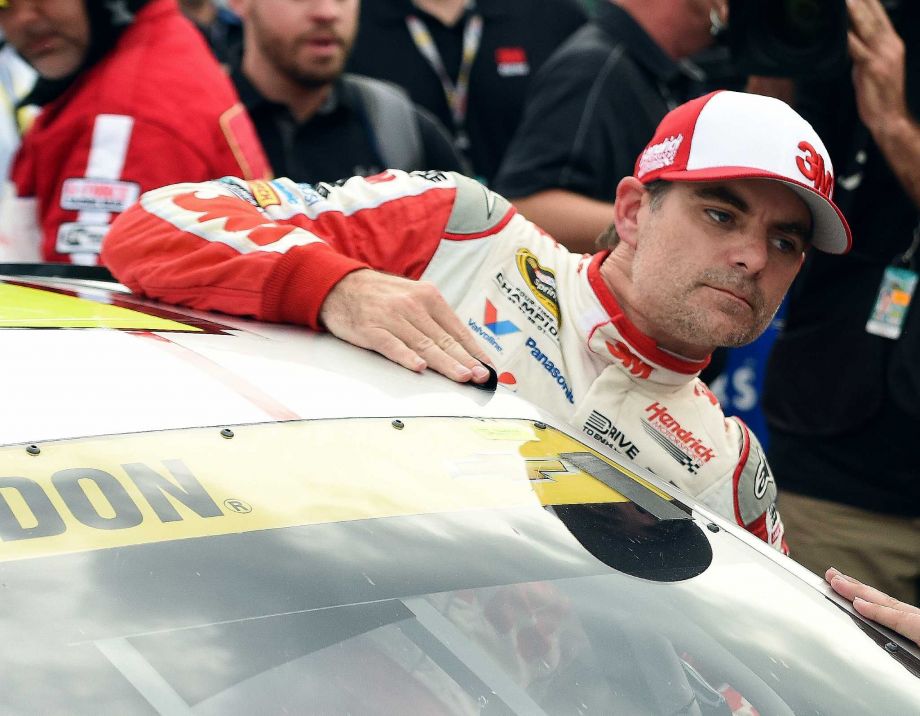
(718, 216)
(787, 246)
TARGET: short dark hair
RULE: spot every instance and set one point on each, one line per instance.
(656, 190)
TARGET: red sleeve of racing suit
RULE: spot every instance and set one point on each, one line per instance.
(754, 493)
(274, 250)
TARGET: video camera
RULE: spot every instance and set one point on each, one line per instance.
(790, 38)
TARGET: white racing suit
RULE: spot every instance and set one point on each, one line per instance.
(549, 322)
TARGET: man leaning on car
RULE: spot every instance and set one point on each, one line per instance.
(708, 234)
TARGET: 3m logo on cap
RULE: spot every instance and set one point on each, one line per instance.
(659, 155)
(812, 167)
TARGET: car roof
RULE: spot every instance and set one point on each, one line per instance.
(190, 369)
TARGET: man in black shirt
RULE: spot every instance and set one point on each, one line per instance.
(469, 63)
(316, 123)
(842, 392)
(592, 108)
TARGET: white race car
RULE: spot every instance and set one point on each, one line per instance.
(206, 515)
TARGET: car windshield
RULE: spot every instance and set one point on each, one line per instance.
(415, 565)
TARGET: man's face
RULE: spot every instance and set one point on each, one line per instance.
(307, 41)
(713, 261)
(51, 35)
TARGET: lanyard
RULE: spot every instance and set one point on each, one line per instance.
(907, 258)
(456, 93)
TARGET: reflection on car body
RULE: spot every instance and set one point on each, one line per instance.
(234, 517)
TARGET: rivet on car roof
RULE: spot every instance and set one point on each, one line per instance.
(712, 527)
(539, 426)
(226, 433)
(398, 424)
(33, 449)
(891, 646)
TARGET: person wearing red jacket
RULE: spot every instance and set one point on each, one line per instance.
(132, 99)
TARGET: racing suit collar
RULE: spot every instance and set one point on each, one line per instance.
(619, 340)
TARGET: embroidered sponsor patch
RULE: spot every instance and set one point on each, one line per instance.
(602, 429)
(630, 360)
(678, 442)
(541, 282)
(492, 327)
(659, 155)
(512, 62)
(432, 175)
(541, 319)
(74, 237)
(813, 168)
(237, 191)
(264, 194)
(551, 368)
(109, 196)
(490, 320)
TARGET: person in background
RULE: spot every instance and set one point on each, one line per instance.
(132, 99)
(220, 27)
(593, 106)
(16, 79)
(877, 606)
(708, 233)
(842, 388)
(316, 122)
(469, 63)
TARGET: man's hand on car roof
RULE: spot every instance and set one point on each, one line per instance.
(407, 321)
(877, 606)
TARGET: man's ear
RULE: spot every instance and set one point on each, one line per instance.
(630, 192)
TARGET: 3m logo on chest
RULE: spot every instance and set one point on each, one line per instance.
(630, 361)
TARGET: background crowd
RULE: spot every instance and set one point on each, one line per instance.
(549, 102)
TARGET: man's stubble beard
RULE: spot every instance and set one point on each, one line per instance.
(676, 315)
(281, 60)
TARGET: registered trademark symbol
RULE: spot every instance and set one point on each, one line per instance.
(238, 506)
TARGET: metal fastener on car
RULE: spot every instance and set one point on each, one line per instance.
(226, 433)
(33, 449)
(398, 424)
(539, 426)
(712, 527)
(891, 647)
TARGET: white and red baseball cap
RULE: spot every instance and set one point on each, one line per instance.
(734, 135)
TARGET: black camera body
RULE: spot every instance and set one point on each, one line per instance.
(788, 38)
